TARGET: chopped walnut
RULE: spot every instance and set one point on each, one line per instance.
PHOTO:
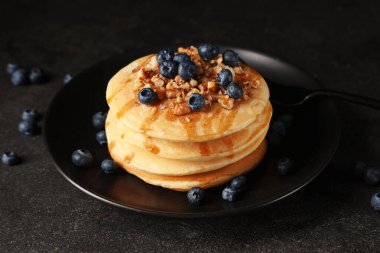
(158, 81)
(173, 93)
(181, 109)
(226, 102)
(212, 86)
(193, 83)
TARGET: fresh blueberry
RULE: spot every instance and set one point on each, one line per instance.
(279, 127)
(66, 78)
(20, 77)
(230, 194)
(109, 166)
(99, 120)
(195, 196)
(239, 182)
(168, 69)
(235, 91)
(372, 176)
(181, 57)
(375, 201)
(196, 102)
(37, 75)
(30, 114)
(360, 169)
(82, 158)
(224, 78)
(10, 158)
(275, 139)
(147, 96)
(165, 55)
(284, 166)
(230, 58)
(186, 70)
(287, 119)
(28, 127)
(11, 67)
(101, 137)
(208, 51)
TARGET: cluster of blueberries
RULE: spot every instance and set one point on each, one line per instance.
(371, 176)
(22, 75)
(171, 64)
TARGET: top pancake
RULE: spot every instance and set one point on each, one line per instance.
(158, 121)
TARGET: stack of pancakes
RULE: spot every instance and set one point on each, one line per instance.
(200, 149)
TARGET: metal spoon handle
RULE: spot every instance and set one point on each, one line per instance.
(369, 102)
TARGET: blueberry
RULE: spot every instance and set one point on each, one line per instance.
(375, 201)
(82, 158)
(186, 70)
(235, 91)
(359, 169)
(284, 166)
(28, 127)
(109, 166)
(20, 77)
(30, 114)
(181, 57)
(372, 176)
(279, 127)
(11, 67)
(37, 75)
(195, 196)
(224, 78)
(10, 158)
(165, 55)
(230, 194)
(208, 51)
(66, 78)
(196, 102)
(287, 119)
(101, 137)
(168, 69)
(230, 58)
(239, 183)
(147, 96)
(99, 120)
(275, 139)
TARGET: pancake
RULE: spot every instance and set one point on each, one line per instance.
(195, 151)
(159, 122)
(203, 180)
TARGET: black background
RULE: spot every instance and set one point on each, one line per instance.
(337, 41)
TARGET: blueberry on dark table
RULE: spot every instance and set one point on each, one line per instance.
(186, 70)
(224, 78)
(375, 201)
(101, 137)
(37, 75)
(372, 176)
(28, 127)
(168, 69)
(360, 169)
(239, 183)
(208, 51)
(147, 96)
(99, 120)
(109, 166)
(181, 57)
(230, 58)
(66, 78)
(196, 102)
(230, 194)
(235, 91)
(82, 158)
(284, 166)
(11, 67)
(279, 127)
(195, 196)
(165, 55)
(10, 158)
(30, 114)
(20, 77)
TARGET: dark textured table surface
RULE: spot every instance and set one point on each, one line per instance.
(338, 41)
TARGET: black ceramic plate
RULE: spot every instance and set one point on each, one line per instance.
(68, 126)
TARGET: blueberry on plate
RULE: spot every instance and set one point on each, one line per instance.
(165, 55)
(284, 166)
(360, 169)
(372, 176)
(109, 166)
(195, 196)
(239, 183)
(224, 78)
(287, 119)
(230, 58)
(181, 57)
(99, 120)
(37, 75)
(66, 78)
(30, 114)
(186, 70)
(20, 77)
(230, 194)
(11, 67)
(10, 158)
(375, 201)
(28, 127)
(168, 69)
(208, 51)
(147, 96)
(196, 102)
(101, 137)
(275, 139)
(82, 158)
(279, 127)
(235, 91)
